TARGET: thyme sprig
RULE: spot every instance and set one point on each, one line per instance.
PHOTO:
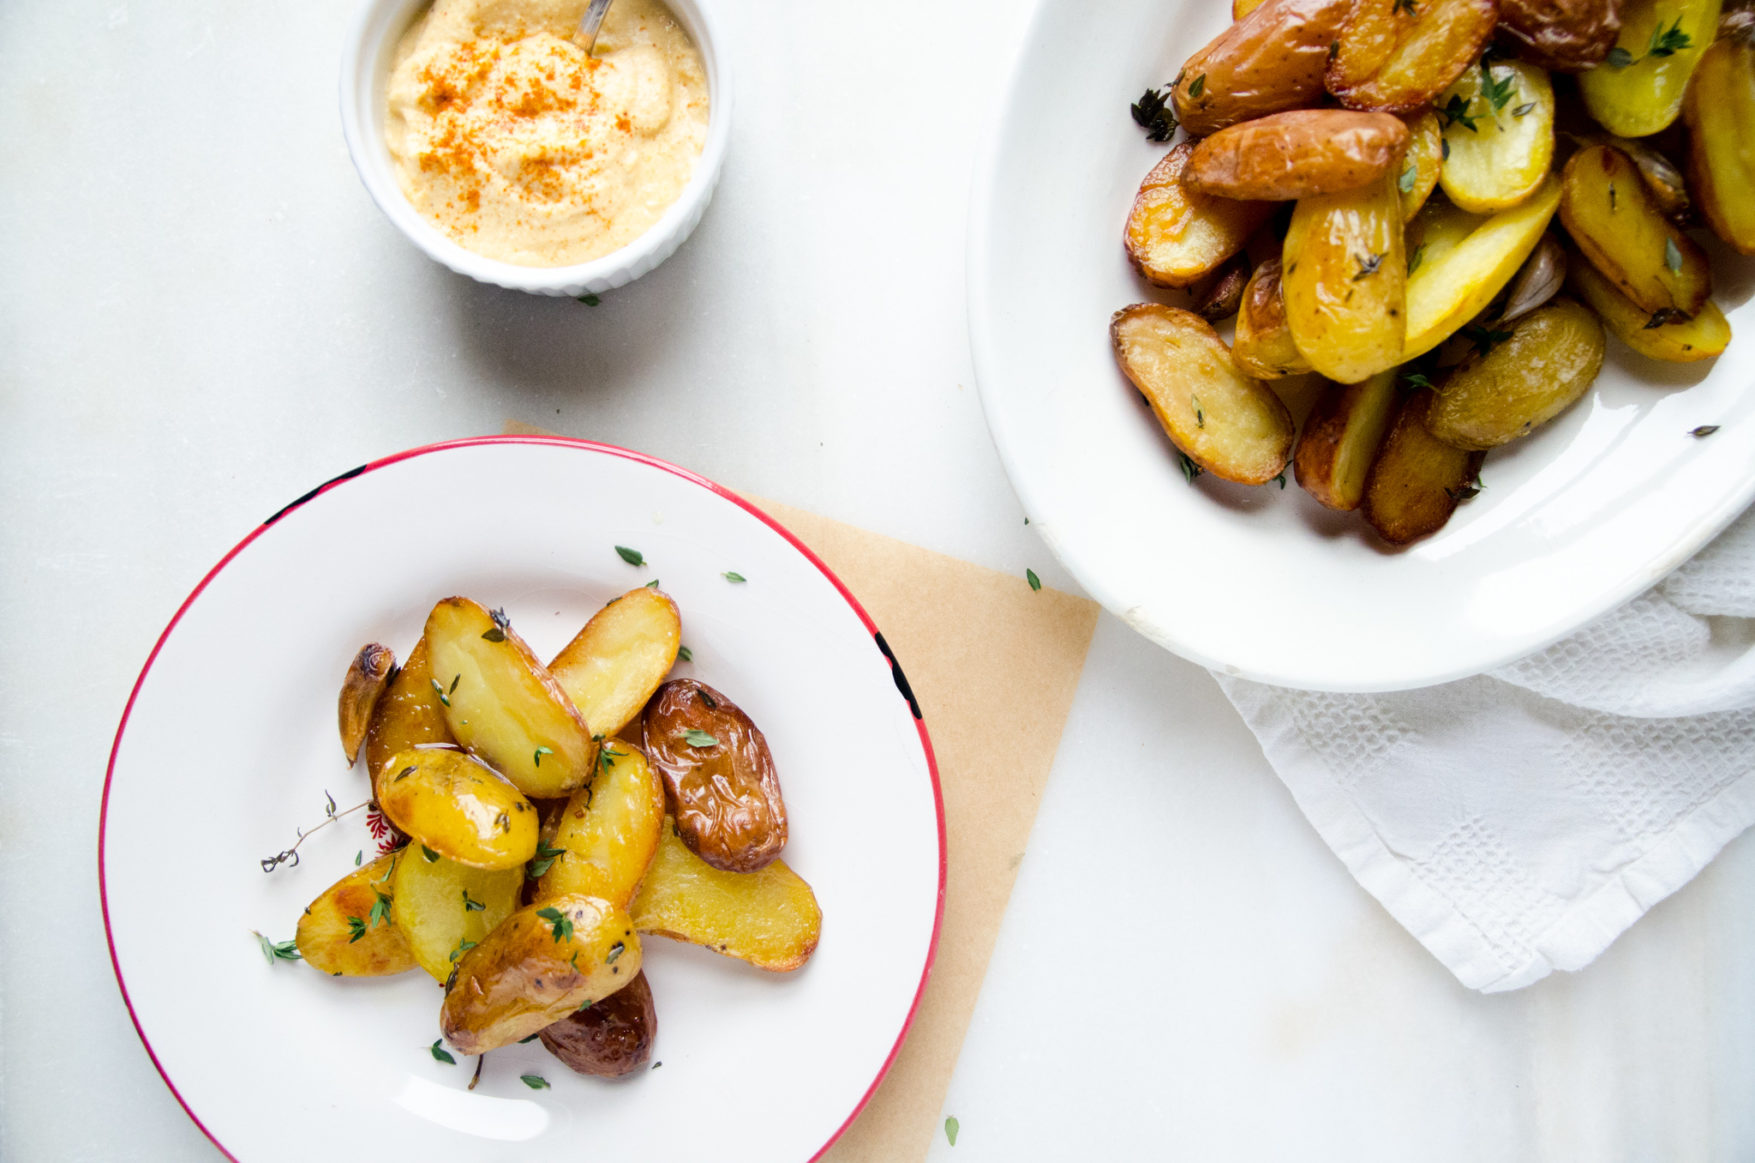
(291, 855)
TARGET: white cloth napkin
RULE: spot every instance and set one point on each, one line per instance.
(1519, 821)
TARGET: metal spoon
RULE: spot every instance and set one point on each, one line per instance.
(592, 22)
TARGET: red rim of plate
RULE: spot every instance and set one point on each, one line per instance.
(558, 442)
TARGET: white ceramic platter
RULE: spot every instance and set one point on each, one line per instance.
(229, 744)
(1264, 583)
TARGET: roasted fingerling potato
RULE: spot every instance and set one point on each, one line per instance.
(1638, 89)
(459, 807)
(1720, 112)
(611, 1038)
(1397, 56)
(1341, 437)
(1499, 144)
(1671, 338)
(1176, 235)
(367, 676)
(1566, 36)
(1270, 60)
(604, 838)
(1421, 164)
(613, 665)
(349, 931)
(1551, 357)
(408, 714)
(1607, 210)
(1222, 294)
(1345, 281)
(443, 908)
(1298, 154)
(1263, 346)
(1417, 480)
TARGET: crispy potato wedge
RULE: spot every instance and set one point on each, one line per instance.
(367, 676)
(1176, 235)
(1397, 57)
(1500, 144)
(1677, 340)
(1720, 111)
(503, 704)
(1551, 359)
(1607, 211)
(348, 931)
(1638, 89)
(1227, 423)
(769, 918)
(1263, 346)
(719, 776)
(408, 714)
(1566, 36)
(1458, 262)
(1422, 163)
(539, 965)
(1341, 437)
(459, 807)
(614, 664)
(611, 1038)
(1417, 479)
(1345, 281)
(1269, 61)
(1297, 154)
(608, 831)
(443, 908)
(1222, 295)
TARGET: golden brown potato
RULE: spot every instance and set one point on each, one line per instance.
(1296, 154)
(769, 918)
(1227, 423)
(1242, 8)
(444, 908)
(1552, 356)
(1720, 111)
(1566, 36)
(608, 831)
(1500, 141)
(611, 1038)
(719, 777)
(539, 965)
(1638, 88)
(1219, 299)
(459, 807)
(1418, 479)
(408, 714)
(1663, 181)
(1459, 262)
(1345, 281)
(614, 664)
(1396, 56)
(1607, 211)
(1422, 163)
(1175, 236)
(503, 704)
(1263, 346)
(348, 931)
(1269, 61)
(1675, 340)
(367, 676)
(1341, 437)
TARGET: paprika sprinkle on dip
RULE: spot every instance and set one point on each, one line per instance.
(520, 147)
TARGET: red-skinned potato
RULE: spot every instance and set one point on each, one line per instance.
(611, 1038)
(1286, 156)
(1567, 36)
(367, 676)
(1269, 61)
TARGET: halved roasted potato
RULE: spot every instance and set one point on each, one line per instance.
(1663, 178)
(1270, 60)
(1720, 111)
(1564, 35)
(367, 676)
(1297, 154)
(444, 908)
(1417, 479)
(348, 931)
(1638, 88)
(613, 665)
(1227, 423)
(1397, 56)
(1499, 144)
(408, 714)
(1675, 339)
(611, 1038)
(719, 776)
(1458, 262)
(605, 836)
(459, 807)
(1176, 235)
(503, 704)
(1345, 281)
(1609, 214)
(769, 918)
(1422, 164)
(1341, 437)
(537, 966)
(1263, 345)
(1551, 358)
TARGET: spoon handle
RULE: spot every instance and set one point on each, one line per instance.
(593, 21)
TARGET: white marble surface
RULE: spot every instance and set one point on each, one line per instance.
(202, 315)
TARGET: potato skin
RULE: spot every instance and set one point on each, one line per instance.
(1345, 281)
(458, 807)
(1609, 213)
(329, 939)
(1263, 346)
(1565, 36)
(1175, 235)
(726, 795)
(1417, 479)
(1720, 113)
(611, 1038)
(1425, 157)
(1269, 61)
(1285, 156)
(607, 832)
(1397, 57)
(367, 676)
(1551, 359)
(408, 714)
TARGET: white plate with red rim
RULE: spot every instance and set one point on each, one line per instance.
(229, 745)
(1573, 521)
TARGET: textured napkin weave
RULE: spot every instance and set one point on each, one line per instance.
(1519, 821)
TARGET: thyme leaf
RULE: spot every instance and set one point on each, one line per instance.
(631, 556)
(1035, 582)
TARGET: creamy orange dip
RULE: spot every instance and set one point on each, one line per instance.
(517, 145)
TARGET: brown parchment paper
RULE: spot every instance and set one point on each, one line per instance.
(993, 665)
